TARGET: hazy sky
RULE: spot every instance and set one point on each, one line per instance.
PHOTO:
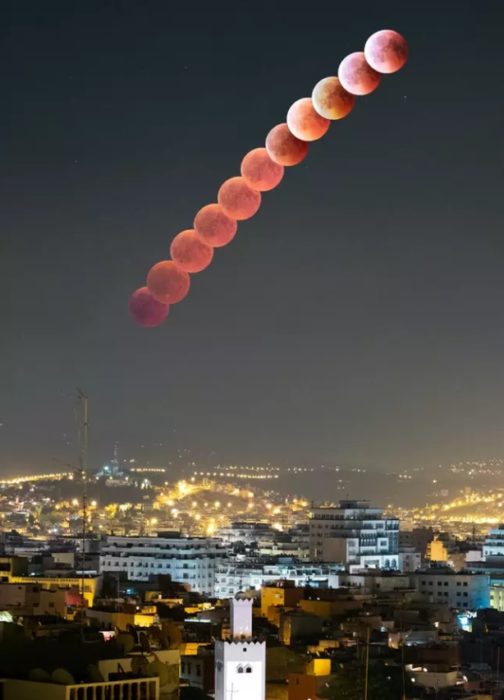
(359, 317)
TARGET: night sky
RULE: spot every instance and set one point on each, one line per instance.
(358, 318)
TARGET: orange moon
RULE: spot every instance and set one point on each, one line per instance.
(190, 252)
(146, 310)
(238, 200)
(167, 282)
(260, 172)
(357, 76)
(215, 226)
(386, 51)
(331, 100)
(284, 148)
(305, 122)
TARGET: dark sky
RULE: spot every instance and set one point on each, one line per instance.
(358, 318)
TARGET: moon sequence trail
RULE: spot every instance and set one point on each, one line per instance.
(262, 169)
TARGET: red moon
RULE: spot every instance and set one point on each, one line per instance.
(215, 226)
(386, 51)
(167, 282)
(331, 100)
(146, 310)
(238, 199)
(260, 172)
(283, 147)
(357, 76)
(305, 122)
(190, 252)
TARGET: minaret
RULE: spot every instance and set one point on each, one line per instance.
(240, 662)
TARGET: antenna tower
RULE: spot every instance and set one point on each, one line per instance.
(83, 431)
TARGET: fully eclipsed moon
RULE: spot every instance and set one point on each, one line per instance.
(215, 226)
(167, 282)
(145, 310)
(190, 252)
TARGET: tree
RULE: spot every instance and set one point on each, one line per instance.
(348, 683)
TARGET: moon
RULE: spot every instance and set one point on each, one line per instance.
(386, 51)
(145, 310)
(190, 252)
(305, 122)
(260, 172)
(284, 148)
(215, 226)
(357, 76)
(331, 100)
(238, 199)
(167, 282)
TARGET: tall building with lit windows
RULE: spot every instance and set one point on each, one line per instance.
(355, 534)
(494, 543)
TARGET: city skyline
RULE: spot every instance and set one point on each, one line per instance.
(357, 320)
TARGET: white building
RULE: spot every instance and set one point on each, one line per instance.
(240, 663)
(354, 534)
(232, 577)
(267, 540)
(461, 591)
(494, 543)
(189, 560)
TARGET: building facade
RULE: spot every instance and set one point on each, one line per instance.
(192, 561)
(233, 577)
(460, 591)
(494, 543)
(355, 534)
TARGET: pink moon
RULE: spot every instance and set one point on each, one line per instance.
(356, 75)
(145, 310)
(238, 199)
(190, 252)
(305, 122)
(260, 172)
(167, 282)
(386, 51)
(214, 226)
